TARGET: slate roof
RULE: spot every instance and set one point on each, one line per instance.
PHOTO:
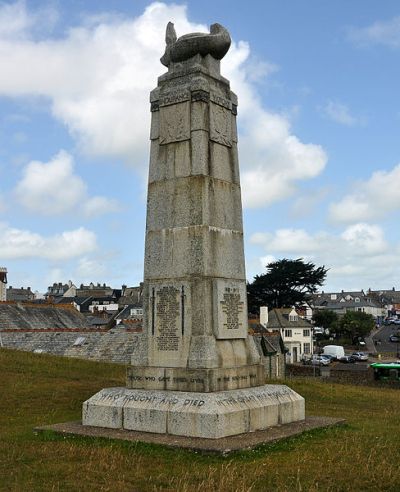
(279, 318)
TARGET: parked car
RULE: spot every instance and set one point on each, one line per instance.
(394, 338)
(319, 360)
(331, 358)
(347, 359)
(359, 356)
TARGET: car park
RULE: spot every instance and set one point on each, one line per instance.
(360, 356)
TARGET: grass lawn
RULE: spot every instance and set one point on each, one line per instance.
(41, 389)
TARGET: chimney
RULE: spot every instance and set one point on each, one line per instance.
(264, 316)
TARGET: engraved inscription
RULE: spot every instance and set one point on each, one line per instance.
(168, 316)
(220, 125)
(232, 307)
(174, 97)
(221, 101)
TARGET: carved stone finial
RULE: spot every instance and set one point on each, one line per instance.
(216, 44)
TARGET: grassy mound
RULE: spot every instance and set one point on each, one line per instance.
(42, 389)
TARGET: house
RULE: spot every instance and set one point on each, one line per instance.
(342, 302)
(130, 314)
(56, 290)
(388, 299)
(3, 283)
(20, 295)
(131, 296)
(93, 290)
(296, 332)
(272, 351)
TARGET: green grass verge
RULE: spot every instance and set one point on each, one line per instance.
(41, 389)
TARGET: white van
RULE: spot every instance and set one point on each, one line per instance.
(335, 351)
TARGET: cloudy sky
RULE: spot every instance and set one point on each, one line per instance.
(319, 122)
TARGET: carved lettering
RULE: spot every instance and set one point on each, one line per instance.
(167, 318)
(174, 97)
(232, 307)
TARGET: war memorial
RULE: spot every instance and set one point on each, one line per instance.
(198, 372)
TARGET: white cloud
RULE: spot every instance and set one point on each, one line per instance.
(386, 33)
(98, 77)
(90, 268)
(365, 239)
(360, 251)
(52, 188)
(99, 205)
(372, 199)
(18, 243)
(339, 113)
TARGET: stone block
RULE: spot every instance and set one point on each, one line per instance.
(220, 125)
(174, 123)
(199, 115)
(221, 166)
(195, 414)
(200, 153)
(104, 409)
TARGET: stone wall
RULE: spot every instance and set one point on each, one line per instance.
(115, 345)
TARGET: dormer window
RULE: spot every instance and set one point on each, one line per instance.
(293, 316)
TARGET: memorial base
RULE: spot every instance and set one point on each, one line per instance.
(207, 415)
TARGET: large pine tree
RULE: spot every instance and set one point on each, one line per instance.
(286, 283)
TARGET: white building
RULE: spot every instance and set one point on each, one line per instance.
(296, 332)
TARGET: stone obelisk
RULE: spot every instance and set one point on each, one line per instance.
(198, 371)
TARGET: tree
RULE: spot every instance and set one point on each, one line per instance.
(357, 323)
(325, 318)
(286, 283)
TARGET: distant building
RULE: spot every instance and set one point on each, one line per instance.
(272, 351)
(93, 290)
(131, 296)
(296, 332)
(343, 302)
(56, 290)
(3, 283)
(20, 295)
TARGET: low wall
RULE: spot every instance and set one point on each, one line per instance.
(355, 375)
(115, 345)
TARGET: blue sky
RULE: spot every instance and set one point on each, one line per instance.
(319, 121)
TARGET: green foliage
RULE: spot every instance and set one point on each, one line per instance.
(357, 323)
(325, 318)
(286, 283)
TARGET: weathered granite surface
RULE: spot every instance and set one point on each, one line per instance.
(199, 373)
(194, 414)
(195, 303)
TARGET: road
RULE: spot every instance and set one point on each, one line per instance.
(382, 336)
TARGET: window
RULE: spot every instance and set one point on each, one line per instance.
(288, 333)
(306, 348)
(79, 341)
(306, 333)
(293, 317)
